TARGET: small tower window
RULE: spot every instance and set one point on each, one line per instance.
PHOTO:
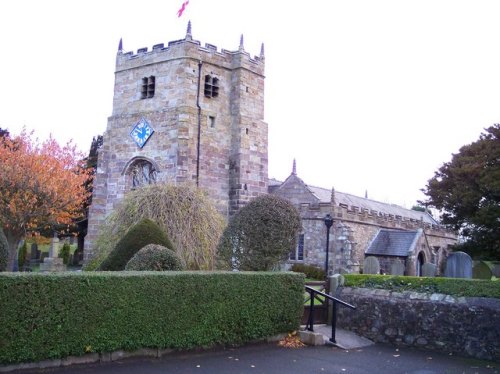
(148, 87)
(211, 121)
(211, 86)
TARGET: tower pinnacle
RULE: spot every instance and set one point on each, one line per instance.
(189, 36)
(241, 44)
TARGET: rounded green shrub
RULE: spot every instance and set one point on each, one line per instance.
(4, 251)
(143, 233)
(155, 257)
(260, 235)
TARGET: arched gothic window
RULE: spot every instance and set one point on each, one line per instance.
(142, 172)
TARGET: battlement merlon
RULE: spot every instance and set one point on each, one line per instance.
(190, 49)
(317, 211)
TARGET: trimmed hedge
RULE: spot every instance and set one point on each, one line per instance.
(449, 286)
(311, 271)
(48, 316)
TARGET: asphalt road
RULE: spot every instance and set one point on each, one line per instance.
(270, 358)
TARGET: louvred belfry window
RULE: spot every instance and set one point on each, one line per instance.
(211, 86)
(148, 87)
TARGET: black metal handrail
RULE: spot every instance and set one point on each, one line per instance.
(310, 321)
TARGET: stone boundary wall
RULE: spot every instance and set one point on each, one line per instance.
(465, 326)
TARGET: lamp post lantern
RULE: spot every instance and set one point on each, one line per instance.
(328, 223)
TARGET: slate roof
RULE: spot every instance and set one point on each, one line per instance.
(393, 243)
(344, 199)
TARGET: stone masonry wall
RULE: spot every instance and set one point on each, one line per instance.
(217, 142)
(461, 326)
(362, 229)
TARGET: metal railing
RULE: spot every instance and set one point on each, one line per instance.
(310, 322)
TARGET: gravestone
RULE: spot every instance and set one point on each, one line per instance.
(429, 270)
(481, 271)
(495, 268)
(458, 265)
(371, 265)
(53, 262)
(397, 268)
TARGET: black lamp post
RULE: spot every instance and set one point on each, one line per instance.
(328, 223)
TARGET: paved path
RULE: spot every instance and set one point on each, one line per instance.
(270, 358)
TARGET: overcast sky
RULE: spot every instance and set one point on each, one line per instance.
(366, 95)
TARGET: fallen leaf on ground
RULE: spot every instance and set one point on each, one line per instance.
(291, 341)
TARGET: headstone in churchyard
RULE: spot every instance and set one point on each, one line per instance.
(495, 268)
(458, 265)
(397, 268)
(53, 262)
(481, 271)
(371, 265)
(54, 247)
(429, 270)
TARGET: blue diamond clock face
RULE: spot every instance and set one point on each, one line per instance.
(141, 132)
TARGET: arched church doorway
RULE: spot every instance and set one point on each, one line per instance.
(419, 264)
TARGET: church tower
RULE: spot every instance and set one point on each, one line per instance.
(184, 113)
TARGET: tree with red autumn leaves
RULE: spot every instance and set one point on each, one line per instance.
(42, 185)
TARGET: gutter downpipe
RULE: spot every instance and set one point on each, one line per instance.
(200, 63)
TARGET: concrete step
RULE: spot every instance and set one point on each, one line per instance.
(344, 339)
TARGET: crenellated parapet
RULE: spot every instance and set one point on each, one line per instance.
(353, 214)
(190, 48)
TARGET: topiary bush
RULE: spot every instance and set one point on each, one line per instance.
(156, 258)
(144, 233)
(185, 213)
(4, 251)
(260, 235)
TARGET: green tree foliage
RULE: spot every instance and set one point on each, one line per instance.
(188, 216)
(155, 257)
(4, 251)
(143, 233)
(22, 255)
(261, 235)
(467, 190)
(91, 164)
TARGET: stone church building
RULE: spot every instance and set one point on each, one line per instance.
(187, 113)
(362, 227)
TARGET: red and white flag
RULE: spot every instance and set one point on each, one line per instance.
(183, 8)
